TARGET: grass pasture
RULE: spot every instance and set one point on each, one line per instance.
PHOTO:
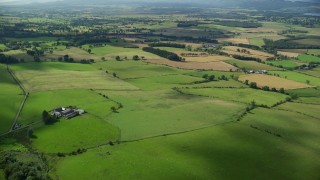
(256, 41)
(90, 101)
(307, 109)
(313, 72)
(217, 66)
(287, 64)
(307, 92)
(80, 132)
(220, 152)
(3, 47)
(308, 100)
(291, 126)
(136, 69)
(10, 99)
(299, 77)
(243, 95)
(155, 113)
(251, 65)
(52, 78)
(273, 81)
(163, 82)
(74, 52)
(308, 58)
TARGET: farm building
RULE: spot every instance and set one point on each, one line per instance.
(68, 112)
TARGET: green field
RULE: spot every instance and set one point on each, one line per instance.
(308, 92)
(155, 117)
(291, 126)
(3, 47)
(243, 95)
(10, 99)
(69, 135)
(154, 113)
(308, 100)
(213, 153)
(287, 64)
(256, 41)
(49, 76)
(295, 76)
(313, 72)
(308, 58)
(164, 82)
(137, 69)
(251, 65)
(88, 100)
(307, 109)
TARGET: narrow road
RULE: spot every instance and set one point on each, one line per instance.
(26, 94)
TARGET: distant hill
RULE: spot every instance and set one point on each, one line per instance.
(257, 4)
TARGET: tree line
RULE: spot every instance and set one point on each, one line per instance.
(162, 53)
(163, 44)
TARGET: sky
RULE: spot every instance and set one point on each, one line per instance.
(43, 1)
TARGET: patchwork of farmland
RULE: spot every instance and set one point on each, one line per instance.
(273, 81)
(191, 110)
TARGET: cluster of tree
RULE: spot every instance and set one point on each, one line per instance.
(292, 31)
(32, 167)
(66, 58)
(47, 118)
(8, 59)
(73, 153)
(162, 44)
(249, 46)
(208, 78)
(246, 58)
(162, 53)
(131, 46)
(35, 52)
(218, 52)
(243, 24)
(253, 85)
(187, 24)
(309, 21)
(86, 61)
(244, 51)
(92, 41)
(191, 54)
(287, 44)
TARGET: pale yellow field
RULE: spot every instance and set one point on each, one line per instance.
(272, 81)
(253, 53)
(218, 66)
(207, 59)
(288, 54)
(234, 40)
